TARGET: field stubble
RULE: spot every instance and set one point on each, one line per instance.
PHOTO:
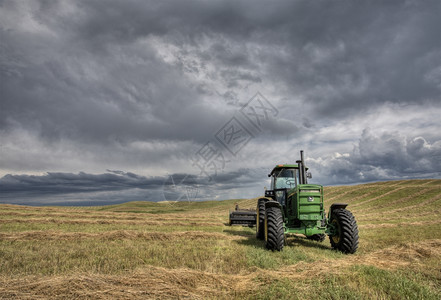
(185, 250)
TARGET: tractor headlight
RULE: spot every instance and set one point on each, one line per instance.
(310, 198)
(310, 191)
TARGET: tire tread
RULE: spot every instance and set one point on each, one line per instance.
(260, 230)
(349, 231)
(276, 236)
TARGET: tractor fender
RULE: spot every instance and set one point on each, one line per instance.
(272, 203)
(335, 206)
(338, 205)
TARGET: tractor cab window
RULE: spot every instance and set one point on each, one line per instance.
(285, 179)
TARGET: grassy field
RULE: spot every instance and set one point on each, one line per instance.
(144, 250)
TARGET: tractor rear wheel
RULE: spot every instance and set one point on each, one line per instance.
(345, 238)
(260, 220)
(317, 237)
(274, 235)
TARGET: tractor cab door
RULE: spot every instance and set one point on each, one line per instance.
(282, 181)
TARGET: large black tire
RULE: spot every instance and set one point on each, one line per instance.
(317, 237)
(260, 220)
(346, 237)
(274, 235)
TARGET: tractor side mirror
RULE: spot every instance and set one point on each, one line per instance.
(309, 175)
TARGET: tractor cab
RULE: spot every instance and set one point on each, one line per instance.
(283, 179)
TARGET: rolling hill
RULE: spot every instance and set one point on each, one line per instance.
(142, 250)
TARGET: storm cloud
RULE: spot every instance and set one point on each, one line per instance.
(143, 86)
(390, 155)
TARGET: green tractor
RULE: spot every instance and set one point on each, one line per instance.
(292, 206)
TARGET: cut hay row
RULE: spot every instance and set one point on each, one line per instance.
(62, 212)
(428, 203)
(106, 222)
(405, 223)
(157, 282)
(399, 201)
(367, 199)
(344, 188)
(404, 217)
(374, 188)
(114, 235)
(348, 190)
(388, 258)
(394, 199)
(150, 283)
(115, 216)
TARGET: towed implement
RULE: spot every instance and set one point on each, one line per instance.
(292, 206)
(246, 217)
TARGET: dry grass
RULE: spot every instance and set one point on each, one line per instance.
(107, 221)
(113, 235)
(185, 250)
(157, 282)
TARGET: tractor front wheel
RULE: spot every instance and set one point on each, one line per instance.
(274, 235)
(345, 237)
(260, 220)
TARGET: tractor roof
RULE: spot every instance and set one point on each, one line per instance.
(286, 166)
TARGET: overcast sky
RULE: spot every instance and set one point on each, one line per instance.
(113, 101)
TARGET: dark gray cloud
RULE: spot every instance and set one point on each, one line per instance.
(140, 86)
(81, 188)
(94, 189)
(389, 155)
(116, 186)
(63, 183)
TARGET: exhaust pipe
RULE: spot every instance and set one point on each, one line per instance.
(302, 171)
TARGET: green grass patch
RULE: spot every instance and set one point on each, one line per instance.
(258, 256)
(359, 282)
(378, 238)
